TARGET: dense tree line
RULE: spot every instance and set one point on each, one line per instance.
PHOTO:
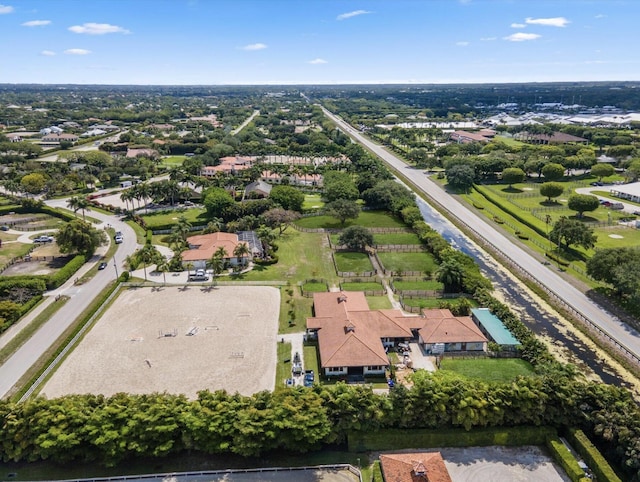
(107, 430)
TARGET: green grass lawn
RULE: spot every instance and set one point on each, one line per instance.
(364, 286)
(314, 287)
(173, 161)
(196, 216)
(302, 309)
(431, 302)
(396, 238)
(418, 285)
(379, 303)
(368, 219)
(509, 141)
(353, 262)
(397, 262)
(301, 256)
(310, 358)
(12, 250)
(283, 369)
(489, 369)
(312, 202)
(608, 237)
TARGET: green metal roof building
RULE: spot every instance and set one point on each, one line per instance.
(493, 327)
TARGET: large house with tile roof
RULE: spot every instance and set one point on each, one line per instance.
(414, 467)
(202, 248)
(353, 340)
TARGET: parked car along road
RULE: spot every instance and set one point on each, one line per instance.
(43, 239)
(309, 378)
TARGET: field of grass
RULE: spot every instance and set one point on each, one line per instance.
(363, 286)
(353, 262)
(301, 256)
(314, 287)
(368, 219)
(509, 141)
(173, 161)
(12, 250)
(312, 202)
(310, 358)
(283, 369)
(418, 285)
(431, 302)
(488, 369)
(398, 262)
(379, 303)
(630, 237)
(196, 216)
(396, 238)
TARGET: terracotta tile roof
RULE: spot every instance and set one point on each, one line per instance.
(440, 326)
(205, 245)
(349, 333)
(414, 467)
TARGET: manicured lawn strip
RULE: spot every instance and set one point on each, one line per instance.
(364, 286)
(396, 262)
(283, 369)
(310, 358)
(396, 238)
(301, 256)
(314, 287)
(140, 233)
(488, 369)
(312, 202)
(368, 219)
(353, 262)
(418, 285)
(196, 216)
(509, 141)
(302, 308)
(379, 303)
(431, 302)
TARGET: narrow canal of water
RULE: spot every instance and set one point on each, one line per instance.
(539, 320)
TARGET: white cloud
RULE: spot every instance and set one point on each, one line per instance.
(600, 15)
(355, 13)
(257, 46)
(36, 23)
(5, 9)
(549, 22)
(97, 28)
(462, 44)
(317, 61)
(518, 25)
(48, 53)
(488, 39)
(77, 52)
(521, 37)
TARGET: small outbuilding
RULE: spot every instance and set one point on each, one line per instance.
(494, 329)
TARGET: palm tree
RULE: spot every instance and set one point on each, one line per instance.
(450, 274)
(162, 265)
(147, 255)
(73, 204)
(240, 251)
(216, 263)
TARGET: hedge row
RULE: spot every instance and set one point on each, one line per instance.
(396, 439)
(62, 275)
(592, 456)
(565, 458)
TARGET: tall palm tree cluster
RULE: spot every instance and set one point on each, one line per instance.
(165, 191)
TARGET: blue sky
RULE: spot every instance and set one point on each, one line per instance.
(317, 41)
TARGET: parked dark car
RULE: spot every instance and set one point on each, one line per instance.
(309, 378)
(102, 265)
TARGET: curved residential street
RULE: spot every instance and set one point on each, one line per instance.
(574, 299)
(80, 296)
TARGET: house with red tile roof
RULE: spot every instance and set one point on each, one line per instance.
(202, 248)
(414, 467)
(228, 165)
(353, 339)
(439, 331)
(464, 137)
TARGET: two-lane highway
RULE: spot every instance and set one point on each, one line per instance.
(621, 333)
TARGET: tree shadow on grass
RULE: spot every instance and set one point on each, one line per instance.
(550, 204)
(512, 190)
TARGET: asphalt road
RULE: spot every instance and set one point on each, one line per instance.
(573, 298)
(79, 298)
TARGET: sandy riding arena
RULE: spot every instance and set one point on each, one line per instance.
(178, 340)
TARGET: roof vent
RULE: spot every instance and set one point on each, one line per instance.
(349, 328)
(419, 469)
(342, 298)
